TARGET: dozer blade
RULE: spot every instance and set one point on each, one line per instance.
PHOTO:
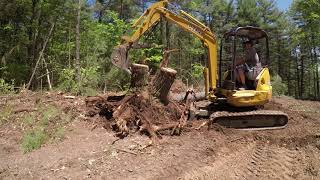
(119, 57)
(251, 120)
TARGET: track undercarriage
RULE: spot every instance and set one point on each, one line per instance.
(252, 118)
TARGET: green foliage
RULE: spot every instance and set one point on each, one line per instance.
(25, 25)
(89, 81)
(33, 140)
(117, 79)
(67, 80)
(6, 88)
(42, 126)
(197, 71)
(278, 87)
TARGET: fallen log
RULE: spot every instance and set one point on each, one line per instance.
(180, 97)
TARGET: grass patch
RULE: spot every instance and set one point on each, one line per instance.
(29, 119)
(33, 140)
(46, 125)
(59, 134)
(5, 114)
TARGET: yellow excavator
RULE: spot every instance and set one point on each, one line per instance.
(225, 103)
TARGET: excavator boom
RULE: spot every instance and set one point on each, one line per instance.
(183, 20)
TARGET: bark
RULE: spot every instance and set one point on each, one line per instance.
(31, 46)
(297, 75)
(289, 76)
(78, 44)
(139, 76)
(316, 67)
(162, 84)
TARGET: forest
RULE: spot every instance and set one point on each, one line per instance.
(66, 44)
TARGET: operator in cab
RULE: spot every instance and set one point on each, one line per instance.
(248, 66)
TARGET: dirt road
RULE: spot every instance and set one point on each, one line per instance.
(89, 151)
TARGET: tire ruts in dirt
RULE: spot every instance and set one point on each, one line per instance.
(268, 163)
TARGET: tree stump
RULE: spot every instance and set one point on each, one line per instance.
(139, 76)
(162, 83)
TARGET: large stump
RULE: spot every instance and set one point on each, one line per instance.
(162, 83)
(139, 76)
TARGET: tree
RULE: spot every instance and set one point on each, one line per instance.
(78, 66)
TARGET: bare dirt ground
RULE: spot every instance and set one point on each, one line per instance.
(89, 151)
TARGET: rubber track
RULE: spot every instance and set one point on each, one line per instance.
(259, 117)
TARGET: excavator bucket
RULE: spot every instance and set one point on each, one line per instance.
(119, 57)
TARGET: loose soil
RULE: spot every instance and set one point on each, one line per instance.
(90, 150)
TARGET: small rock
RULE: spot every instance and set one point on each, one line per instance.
(91, 161)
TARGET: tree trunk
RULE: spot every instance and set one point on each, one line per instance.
(121, 9)
(297, 74)
(316, 66)
(289, 75)
(40, 56)
(167, 35)
(162, 84)
(78, 68)
(279, 54)
(6, 55)
(302, 76)
(139, 76)
(48, 74)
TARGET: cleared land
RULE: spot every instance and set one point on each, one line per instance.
(48, 136)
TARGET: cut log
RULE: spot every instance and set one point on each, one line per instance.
(162, 84)
(139, 76)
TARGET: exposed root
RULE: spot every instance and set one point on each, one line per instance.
(139, 113)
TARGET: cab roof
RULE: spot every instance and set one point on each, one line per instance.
(249, 32)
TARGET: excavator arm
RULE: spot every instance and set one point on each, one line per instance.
(183, 20)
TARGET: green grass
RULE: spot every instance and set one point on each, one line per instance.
(29, 119)
(50, 113)
(59, 133)
(5, 114)
(33, 140)
(44, 126)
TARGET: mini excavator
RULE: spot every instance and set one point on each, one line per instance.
(225, 103)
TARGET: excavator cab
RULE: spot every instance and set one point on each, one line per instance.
(257, 81)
